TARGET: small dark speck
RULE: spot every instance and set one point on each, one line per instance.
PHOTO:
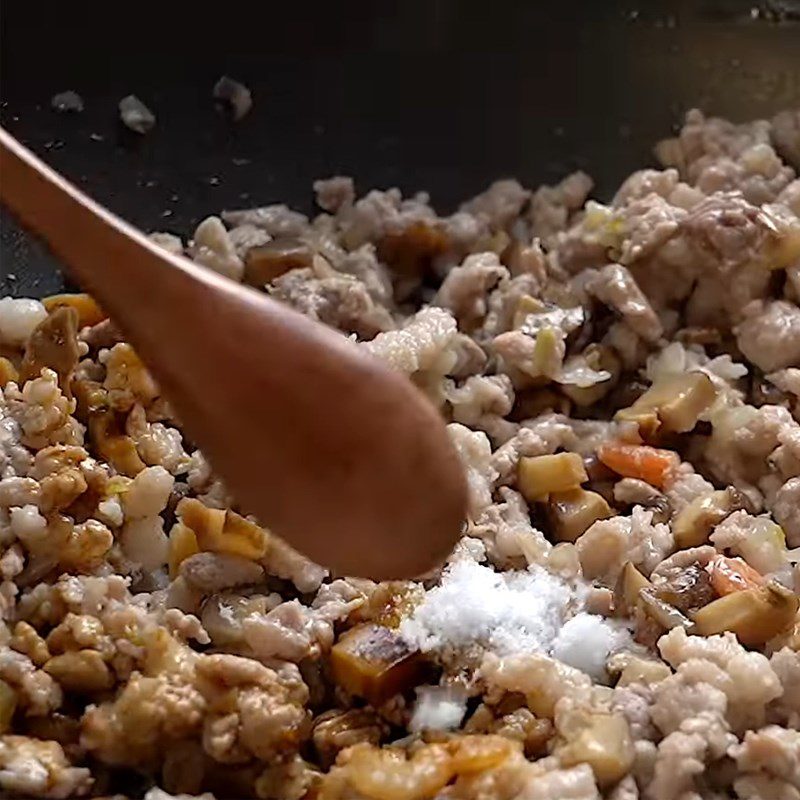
(96, 137)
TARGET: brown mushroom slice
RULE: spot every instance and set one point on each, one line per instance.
(688, 590)
(573, 511)
(91, 398)
(223, 531)
(375, 663)
(538, 476)
(54, 344)
(694, 524)
(266, 262)
(408, 252)
(674, 403)
(754, 615)
(114, 446)
(660, 611)
(627, 592)
(85, 306)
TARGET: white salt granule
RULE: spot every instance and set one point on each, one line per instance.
(503, 611)
(586, 641)
(512, 612)
(438, 708)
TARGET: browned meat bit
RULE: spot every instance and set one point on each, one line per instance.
(265, 263)
(520, 724)
(374, 662)
(54, 344)
(389, 602)
(103, 334)
(335, 730)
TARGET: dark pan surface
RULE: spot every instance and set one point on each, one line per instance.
(443, 95)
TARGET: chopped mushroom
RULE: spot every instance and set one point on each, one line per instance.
(541, 475)
(754, 615)
(571, 512)
(268, 261)
(694, 523)
(374, 662)
(674, 403)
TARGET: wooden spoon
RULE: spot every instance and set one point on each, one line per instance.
(336, 453)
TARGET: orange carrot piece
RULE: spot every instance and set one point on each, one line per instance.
(729, 575)
(639, 461)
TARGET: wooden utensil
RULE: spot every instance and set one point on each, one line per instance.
(336, 453)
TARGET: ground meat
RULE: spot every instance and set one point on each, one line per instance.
(773, 750)
(786, 135)
(615, 286)
(465, 289)
(334, 194)
(339, 300)
(770, 336)
(35, 768)
(552, 206)
(499, 204)
(212, 247)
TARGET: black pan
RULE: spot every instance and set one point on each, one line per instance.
(443, 95)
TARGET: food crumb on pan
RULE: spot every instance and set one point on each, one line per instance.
(68, 101)
(621, 382)
(136, 115)
(234, 95)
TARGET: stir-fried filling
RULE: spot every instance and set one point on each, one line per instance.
(620, 618)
